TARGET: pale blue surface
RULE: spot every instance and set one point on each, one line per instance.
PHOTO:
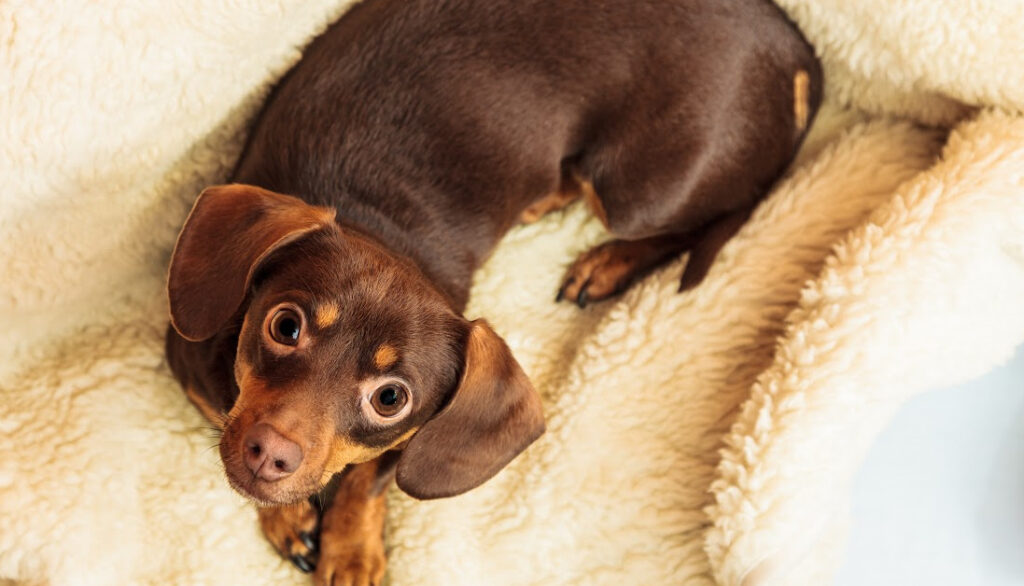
(940, 498)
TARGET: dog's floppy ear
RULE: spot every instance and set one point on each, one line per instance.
(230, 230)
(493, 415)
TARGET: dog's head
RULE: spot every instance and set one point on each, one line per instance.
(345, 351)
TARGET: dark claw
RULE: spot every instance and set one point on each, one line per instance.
(302, 563)
(566, 285)
(583, 297)
(307, 540)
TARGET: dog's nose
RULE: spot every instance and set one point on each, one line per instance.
(270, 455)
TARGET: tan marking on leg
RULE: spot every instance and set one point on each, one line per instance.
(594, 202)
(352, 531)
(549, 203)
(208, 411)
(801, 96)
(573, 187)
(326, 314)
(385, 356)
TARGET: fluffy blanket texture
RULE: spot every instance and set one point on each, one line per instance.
(697, 438)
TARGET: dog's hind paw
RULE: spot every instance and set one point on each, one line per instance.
(608, 269)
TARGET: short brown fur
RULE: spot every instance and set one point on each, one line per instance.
(410, 137)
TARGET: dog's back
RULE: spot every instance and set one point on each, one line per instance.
(433, 123)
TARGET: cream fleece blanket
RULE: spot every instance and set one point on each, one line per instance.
(698, 438)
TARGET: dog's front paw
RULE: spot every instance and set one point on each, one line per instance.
(292, 530)
(352, 531)
(349, 562)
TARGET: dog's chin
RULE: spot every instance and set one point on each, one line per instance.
(270, 494)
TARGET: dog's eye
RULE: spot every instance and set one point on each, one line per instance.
(389, 400)
(285, 327)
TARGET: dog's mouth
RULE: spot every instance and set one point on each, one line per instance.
(265, 493)
(252, 480)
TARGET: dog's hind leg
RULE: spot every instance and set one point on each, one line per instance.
(609, 268)
(684, 175)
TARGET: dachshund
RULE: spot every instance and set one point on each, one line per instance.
(316, 301)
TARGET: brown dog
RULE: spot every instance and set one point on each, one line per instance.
(323, 332)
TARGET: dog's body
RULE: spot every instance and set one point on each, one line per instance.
(430, 127)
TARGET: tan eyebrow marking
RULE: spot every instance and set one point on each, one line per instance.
(326, 314)
(801, 85)
(385, 356)
(594, 201)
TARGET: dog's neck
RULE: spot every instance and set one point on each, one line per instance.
(432, 244)
(401, 211)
